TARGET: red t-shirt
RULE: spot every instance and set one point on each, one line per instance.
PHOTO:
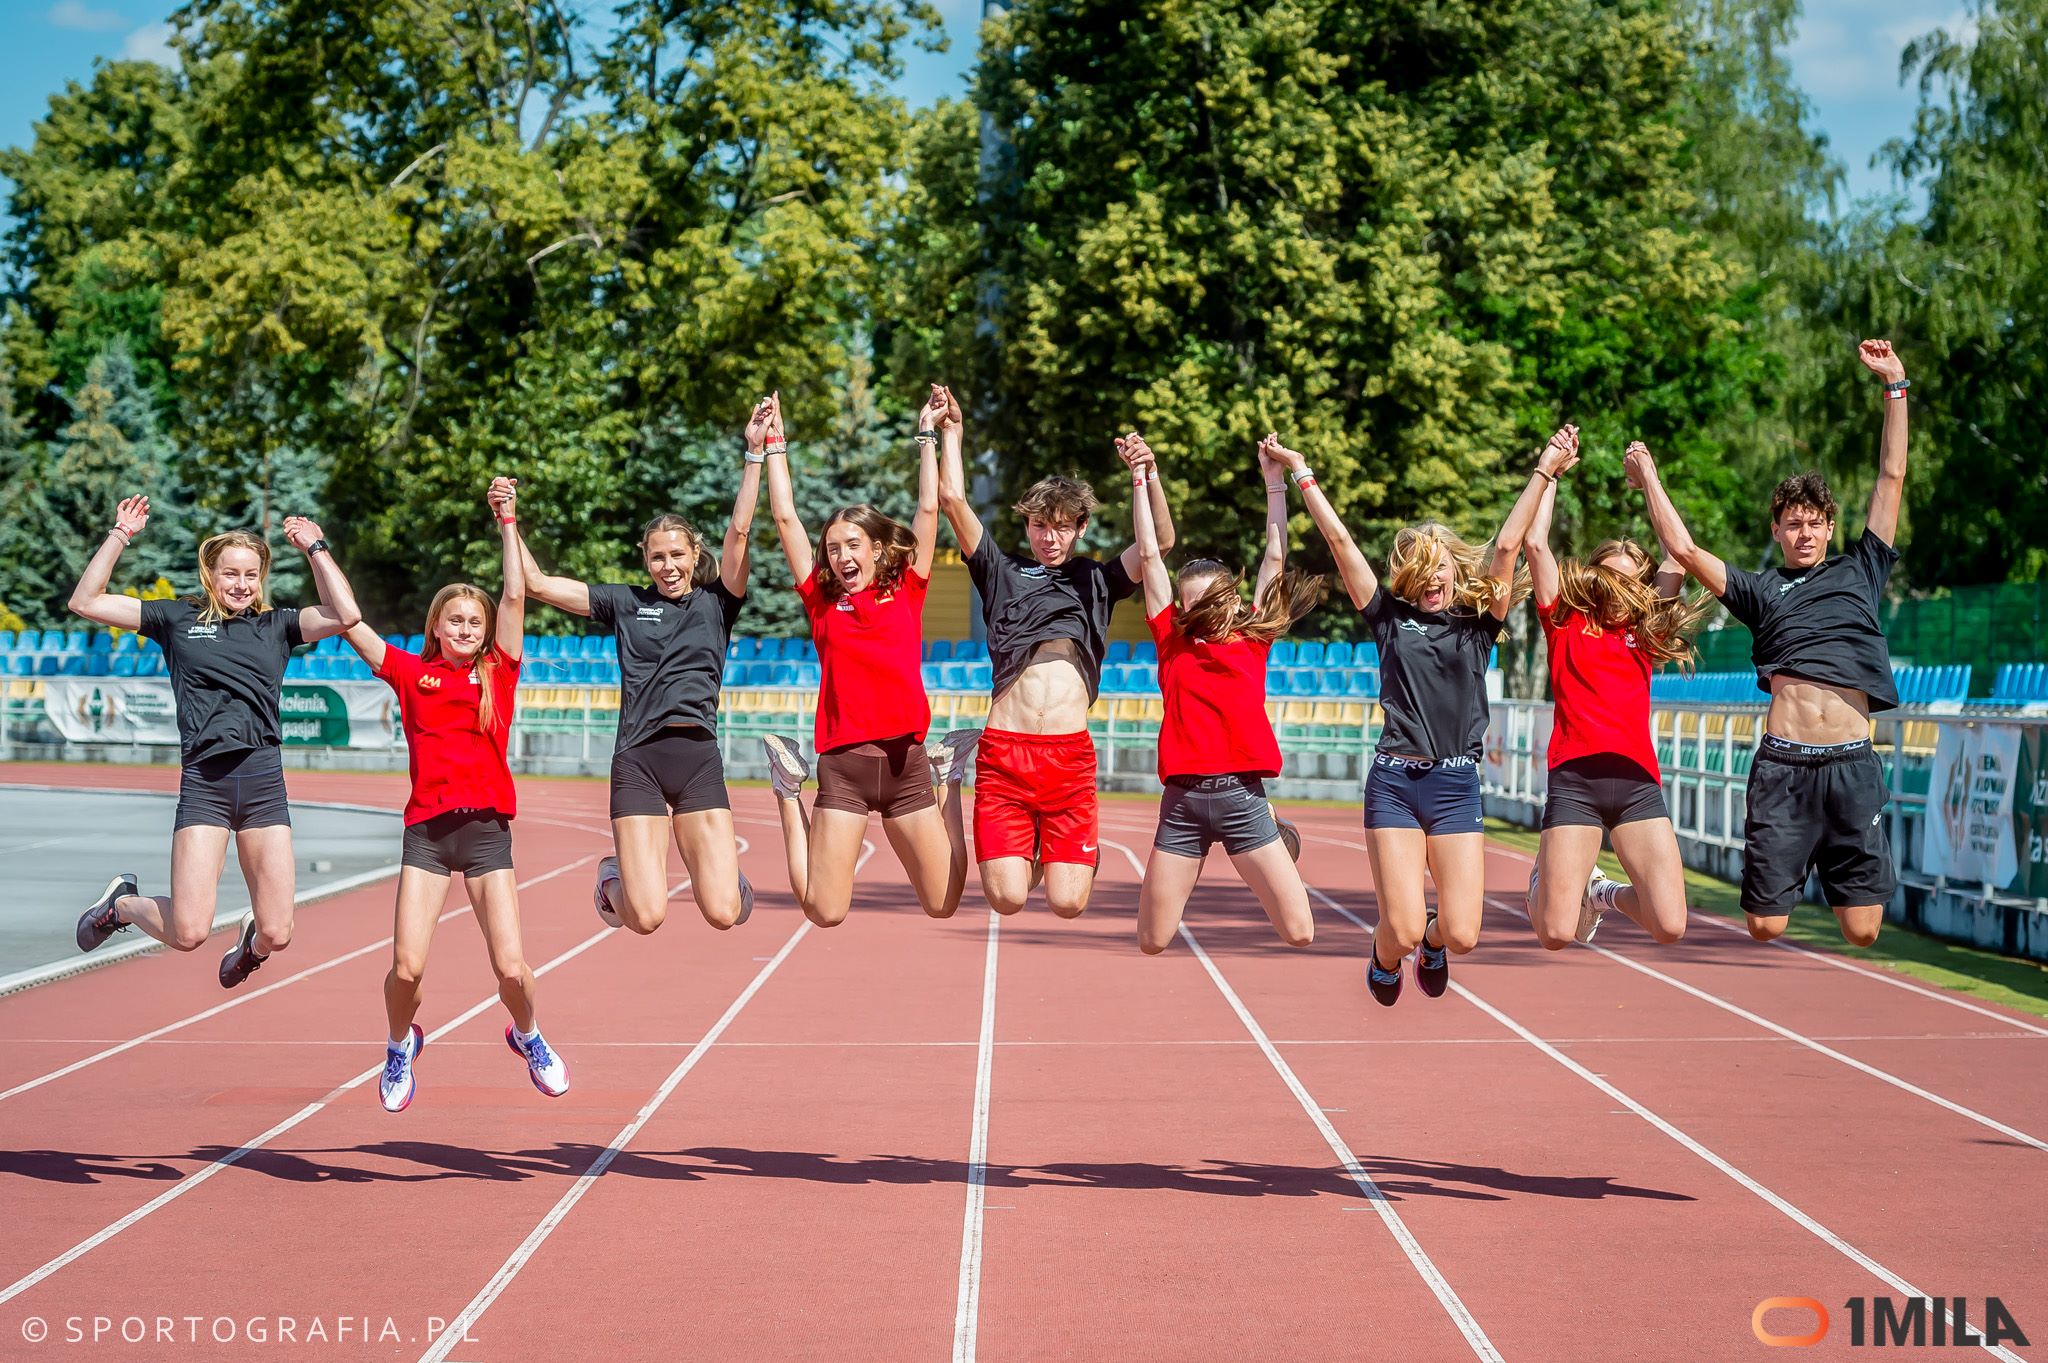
(1215, 696)
(1600, 684)
(455, 764)
(870, 651)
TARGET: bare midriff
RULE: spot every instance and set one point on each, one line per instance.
(1813, 712)
(1048, 697)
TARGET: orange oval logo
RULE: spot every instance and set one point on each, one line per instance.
(1768, 1304)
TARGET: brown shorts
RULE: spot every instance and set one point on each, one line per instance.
(891, 778)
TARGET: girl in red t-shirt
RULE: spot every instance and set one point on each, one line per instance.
(455, 702)
(1609, 623)
(863, 591)
(1216, 745)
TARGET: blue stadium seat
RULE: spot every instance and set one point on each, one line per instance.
(608, 671)
(938, 650)
(95, 662)
(1337, 654)
(75, 641)
(1279, 681)
(932, 680)
(1282, 654)
(415, 642)
(980, 676)
(126, 643)
(21, 665)
(1362, 682)
(330, 646)
(1366, 655)
(970, 651)
(125, 664)
(294, 668)
(954, 676)
(806, 651)
(1308, 653)
(808, 675)
(1145, 652)
(6, 641)
(592, 646)
(49, 665)
(1113, 679)
(1308, 681)
(1143, 677)
(1119, 651)
(100, 642)
(734, 672)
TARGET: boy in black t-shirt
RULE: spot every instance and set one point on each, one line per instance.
(1048, 630)
(1816, 790)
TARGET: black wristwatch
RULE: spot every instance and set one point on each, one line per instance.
(319, 546)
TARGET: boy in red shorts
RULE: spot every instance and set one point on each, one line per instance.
(1048, 629)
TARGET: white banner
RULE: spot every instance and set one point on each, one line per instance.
(144, 710)
(1968, 832)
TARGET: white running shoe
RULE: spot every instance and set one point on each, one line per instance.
(787, 770)
(398, 1085)
(609, 888)
(550, 1074)
(952, 754)
(1594, 903)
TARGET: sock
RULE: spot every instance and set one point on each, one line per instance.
(397, 1046)
(526, 1038)
(1609, 894)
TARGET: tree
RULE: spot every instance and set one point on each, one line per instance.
(29, 582)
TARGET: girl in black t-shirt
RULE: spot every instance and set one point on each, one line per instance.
(226, 650)
(667, 778)
(1435, 620)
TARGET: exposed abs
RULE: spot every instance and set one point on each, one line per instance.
(1814, 712)
(1048, 697)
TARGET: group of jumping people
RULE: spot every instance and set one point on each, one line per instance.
(1816, 789)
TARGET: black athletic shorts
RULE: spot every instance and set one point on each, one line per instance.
(1816, 809)
(472, 841)
(1602, 790)
(236, 791)
(1197, 812)
(678, 771)
(892, 778)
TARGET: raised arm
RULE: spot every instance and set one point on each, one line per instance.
(1138, 457)
(1360, 582)
(367, 643)
(511, 634)
(1560, 452)
(1890, 492)
(764, 432)
(563, 593)
(733, 553)
(924, 526)
(90, 598)
(959, 512)
(1150, 568)
(1664, 518)
(337, 612)
(1543, 574)
(1273, 561)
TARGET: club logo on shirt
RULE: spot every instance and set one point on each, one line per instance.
(1036, 570)
(429, 682)
(1629, 639)
(202, 632)
(845, 603)
(650, 613)
(1784, 587)
(1413, 626)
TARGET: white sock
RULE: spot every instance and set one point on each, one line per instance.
(526, 1038)
(397, 1046)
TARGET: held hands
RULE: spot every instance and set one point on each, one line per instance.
(1271, 448)
(1879, 358)
(1560, 452)
(302, 532)
(131, 516)
(950, 419)
(1136, 454)
(758, 424)
(504, 498)
(933, 414)
(1272, 472)
(1638, 465)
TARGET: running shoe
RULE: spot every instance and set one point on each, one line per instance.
(1595, 902)
(547, 1070)
(787, 770)
(242, 959)
(609, 889)
(100, 922)
(951, 755)
(397, 1084)
(1291, 836)
(1384, 984)
(746, 900)
(1530, 903)
(1432, 966)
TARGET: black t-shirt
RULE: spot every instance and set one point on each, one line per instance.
(1026, 604)
(671, 654)
(227, 676)
(1432, 676)
(1821, 625)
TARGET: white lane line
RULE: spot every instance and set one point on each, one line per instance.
(194, 1180)
(459, 1328)
(967, 1303)
(586, 1043)
(1800, 1038)
(250, 997)
(1447, 1296)
(1798, 1217)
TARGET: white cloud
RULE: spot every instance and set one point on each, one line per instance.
(150, 43)
(75, 14)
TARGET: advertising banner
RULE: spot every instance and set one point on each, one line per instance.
(143, 710)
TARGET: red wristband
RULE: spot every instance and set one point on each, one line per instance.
(508, 520)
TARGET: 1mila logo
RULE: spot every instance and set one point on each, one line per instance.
(1894, 1321)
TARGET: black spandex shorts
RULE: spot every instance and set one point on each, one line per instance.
(472, 841)
(1197, 812)
(238, 791)
(1816, 809)
(892, 778)
(1603, 790)
(678, 771)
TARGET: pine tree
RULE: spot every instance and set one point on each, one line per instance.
(31, 584)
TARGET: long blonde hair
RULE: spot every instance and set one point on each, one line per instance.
(1420, 552)
(1608, 599)
(211, 609)
(1221, 610)
(486, 657)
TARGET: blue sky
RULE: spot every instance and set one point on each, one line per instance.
(1846, 57)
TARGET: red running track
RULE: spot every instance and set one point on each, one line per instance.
(1015, 1140)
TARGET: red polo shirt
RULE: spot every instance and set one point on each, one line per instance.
(455, 763)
